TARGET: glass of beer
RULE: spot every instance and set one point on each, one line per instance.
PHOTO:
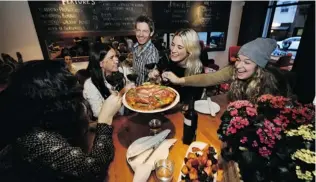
(164, 170)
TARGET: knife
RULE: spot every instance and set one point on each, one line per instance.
(148, 143)
(154, 148)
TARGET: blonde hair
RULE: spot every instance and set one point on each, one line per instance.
(191, 44)
(262, 82)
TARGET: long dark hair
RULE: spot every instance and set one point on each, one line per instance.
(43, 94)
(97, 54)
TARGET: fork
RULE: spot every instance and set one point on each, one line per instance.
(154, 148)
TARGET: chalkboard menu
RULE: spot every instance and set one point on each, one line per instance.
(54, 17)
(199, 15)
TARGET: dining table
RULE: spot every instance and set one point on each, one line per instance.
(128, 128)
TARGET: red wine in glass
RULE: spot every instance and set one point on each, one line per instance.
(132, 77)
(150, 66)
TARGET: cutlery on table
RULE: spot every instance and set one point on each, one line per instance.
(147, 144)
(154, 148)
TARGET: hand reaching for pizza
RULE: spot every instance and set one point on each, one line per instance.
(154, 75)
(169, 76)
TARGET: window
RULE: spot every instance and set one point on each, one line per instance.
(285, 9)
(285, 22)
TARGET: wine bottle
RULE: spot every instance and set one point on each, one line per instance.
(190, 124)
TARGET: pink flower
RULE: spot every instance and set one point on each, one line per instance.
(231, 130)
(251, 111)
(244, 140)
(255, 143)
(234, 112)
(264, 152)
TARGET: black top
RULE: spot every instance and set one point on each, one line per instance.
(186, 92)
(40, 156)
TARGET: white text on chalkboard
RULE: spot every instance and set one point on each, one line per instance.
(91, 2)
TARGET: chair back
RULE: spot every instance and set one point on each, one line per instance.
(232, 52)
(82, 75)
(284, 61)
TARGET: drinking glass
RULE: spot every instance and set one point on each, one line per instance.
(164, 170)
(154, 126)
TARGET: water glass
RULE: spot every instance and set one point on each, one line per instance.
(164, 170)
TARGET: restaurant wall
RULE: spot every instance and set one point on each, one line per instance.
(17, 32)
(221, 57)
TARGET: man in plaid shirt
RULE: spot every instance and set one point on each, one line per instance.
(144, 51)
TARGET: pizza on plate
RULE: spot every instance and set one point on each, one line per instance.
(149, 97)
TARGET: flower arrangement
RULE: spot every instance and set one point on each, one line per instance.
(276, 135)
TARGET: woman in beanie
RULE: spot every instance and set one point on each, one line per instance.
(250, 76)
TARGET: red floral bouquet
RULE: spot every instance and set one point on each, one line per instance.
(259, 133)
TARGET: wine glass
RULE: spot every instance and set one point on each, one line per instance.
(117, 81)
(132, 77)
(150, 66)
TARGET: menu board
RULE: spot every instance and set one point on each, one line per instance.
(199, 15)
(54, 17)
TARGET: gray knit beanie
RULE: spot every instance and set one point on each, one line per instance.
(259, 50)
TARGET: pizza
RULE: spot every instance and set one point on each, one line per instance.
(149, 97)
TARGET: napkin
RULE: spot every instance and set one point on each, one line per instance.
(137, 147)
(210, 106)
(143, 170)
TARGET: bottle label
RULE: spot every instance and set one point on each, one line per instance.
(187, 122)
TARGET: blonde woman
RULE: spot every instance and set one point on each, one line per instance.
(185, 61)
(250, 76)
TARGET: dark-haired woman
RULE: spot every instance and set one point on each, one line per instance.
(105, 77)
(45, 121)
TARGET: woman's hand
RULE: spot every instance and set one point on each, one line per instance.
(128, 86)
(109, 108)
(154, 75)
(169, 76)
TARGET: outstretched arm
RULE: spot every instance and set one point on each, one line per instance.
(202, 80)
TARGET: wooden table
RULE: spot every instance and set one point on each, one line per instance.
(119, 170)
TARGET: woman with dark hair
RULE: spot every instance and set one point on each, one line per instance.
(46, 122)
(105, 76)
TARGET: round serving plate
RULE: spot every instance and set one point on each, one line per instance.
(175, 102)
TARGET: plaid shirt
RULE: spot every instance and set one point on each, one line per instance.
(148, 54)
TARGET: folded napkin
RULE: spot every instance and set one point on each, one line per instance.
(143, 170)
(211, 107)
(140, 146)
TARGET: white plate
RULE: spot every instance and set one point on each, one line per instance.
(199, 145)
(139, 159)
(175, 102)
(202, 106)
